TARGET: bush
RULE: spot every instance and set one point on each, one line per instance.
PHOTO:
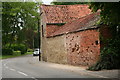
(16, 53)
(15, 47)
(19, 47)
(22, 48)
(7, 51)
(6, 46)
(30, 50)
(109, 58)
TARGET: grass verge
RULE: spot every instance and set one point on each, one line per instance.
(12, 56)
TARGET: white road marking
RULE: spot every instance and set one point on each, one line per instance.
(22, 73)
(34, 78)
(13, 69)
(4, 64)
(17, 71)
(6, 67)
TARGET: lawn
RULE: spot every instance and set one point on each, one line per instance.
(12, 56)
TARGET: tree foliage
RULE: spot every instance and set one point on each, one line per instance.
(16, 17)
(110, 11)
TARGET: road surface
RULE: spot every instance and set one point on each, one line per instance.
(29, 67)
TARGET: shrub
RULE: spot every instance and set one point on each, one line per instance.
(22, 48)
(15, 47)
(109, 58)
(6, 46)
(30, 50)
(17, 53)
(7, 51)
(19, 47)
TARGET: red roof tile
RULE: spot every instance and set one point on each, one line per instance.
(64, 13)
(76, 25)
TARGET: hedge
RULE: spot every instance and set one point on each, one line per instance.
(17, 53)
(7, 51)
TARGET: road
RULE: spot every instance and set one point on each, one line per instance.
(29, 67)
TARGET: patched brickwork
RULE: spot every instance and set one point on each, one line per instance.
(54, 50)
(83, 48)
(76, 42)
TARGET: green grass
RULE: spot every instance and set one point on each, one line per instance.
(12, 56)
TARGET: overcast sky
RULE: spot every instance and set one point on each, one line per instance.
(47, 1)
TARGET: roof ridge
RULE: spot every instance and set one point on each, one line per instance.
(85, 16)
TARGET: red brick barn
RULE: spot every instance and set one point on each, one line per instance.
(69, 34)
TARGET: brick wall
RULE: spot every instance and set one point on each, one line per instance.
(43, 49)
(43, 34)
(105, 34)
(51, 29)
(83, 48)
(54, 50)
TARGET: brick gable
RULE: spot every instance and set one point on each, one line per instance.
(64, 13)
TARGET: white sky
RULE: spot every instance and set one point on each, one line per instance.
(47, 1)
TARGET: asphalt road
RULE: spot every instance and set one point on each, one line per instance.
(29, 67)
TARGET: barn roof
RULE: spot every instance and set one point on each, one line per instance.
(64, 13)
(83, 23)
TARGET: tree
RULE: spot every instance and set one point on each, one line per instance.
(17, 16)
(110, 12)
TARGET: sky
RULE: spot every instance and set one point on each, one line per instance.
(47, 1)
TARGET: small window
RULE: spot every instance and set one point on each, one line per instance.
(42, 31)
(96, 42)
